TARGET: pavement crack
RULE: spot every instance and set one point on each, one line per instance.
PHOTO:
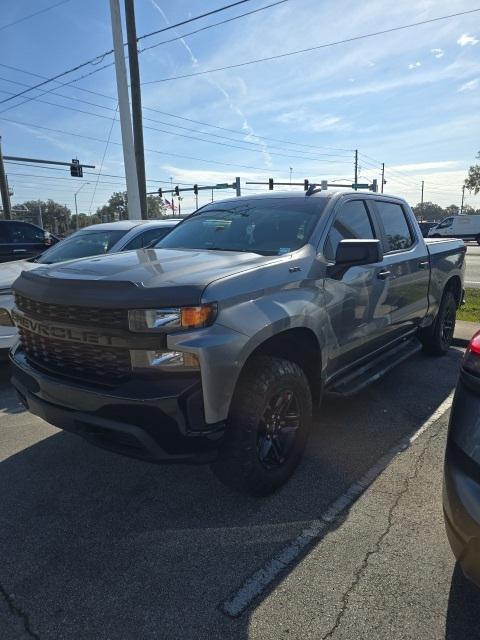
(378, 545)
(18, 612)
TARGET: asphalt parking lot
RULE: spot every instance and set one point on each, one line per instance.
(94, 545)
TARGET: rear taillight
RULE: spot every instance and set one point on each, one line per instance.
(471, 361)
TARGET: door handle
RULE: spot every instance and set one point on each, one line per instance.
(19, 251)
(423, 265)
(383, 275)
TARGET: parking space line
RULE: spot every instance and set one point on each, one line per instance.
(257, 583)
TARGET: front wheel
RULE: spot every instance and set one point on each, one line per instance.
(267, 428)
(437, 339)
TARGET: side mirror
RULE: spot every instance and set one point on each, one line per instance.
(357, 252)
(353, 253)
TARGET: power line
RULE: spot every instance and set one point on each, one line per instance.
(163, 153)
(258, 149)
(309, 49)
(98, 59)
(31, 15)
(103, 159)
(165, 113)
(210, 26)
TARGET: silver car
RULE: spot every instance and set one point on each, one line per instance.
(97, 239)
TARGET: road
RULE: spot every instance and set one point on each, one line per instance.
(94, 545)
(472, 275)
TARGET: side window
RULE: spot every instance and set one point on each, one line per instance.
(146, 238)
(397, 232)
(352, 222)
(26, 233)
(4, 234)
(446, 223)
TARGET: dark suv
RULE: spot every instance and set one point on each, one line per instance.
(22, 240)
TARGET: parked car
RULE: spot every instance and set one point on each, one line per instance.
(461, 489)
(90, 241)
(464, 227)
(22, 240)
(214, 345)
(426, 226)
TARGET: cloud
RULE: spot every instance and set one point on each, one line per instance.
(438, 53)
(466, 39)
(470, 86)
(414, 65)
(307, 119)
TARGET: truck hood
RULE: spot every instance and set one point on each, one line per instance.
(134, 279)
(9, 271)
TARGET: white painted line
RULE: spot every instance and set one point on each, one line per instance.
(240, 600)
(471, 282)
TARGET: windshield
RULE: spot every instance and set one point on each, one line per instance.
(82, 244)
(267, 226)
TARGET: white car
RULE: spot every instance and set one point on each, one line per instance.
(465, 227)
(97, 239)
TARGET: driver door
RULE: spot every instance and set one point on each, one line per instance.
(355, 298)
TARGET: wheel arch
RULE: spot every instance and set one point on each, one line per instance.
(300, 345)
(454, 284)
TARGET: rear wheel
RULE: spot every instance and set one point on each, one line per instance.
(437, 339)
(267, 428)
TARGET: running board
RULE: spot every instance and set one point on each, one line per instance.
(360, 378)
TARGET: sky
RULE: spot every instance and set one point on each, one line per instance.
(409, 98)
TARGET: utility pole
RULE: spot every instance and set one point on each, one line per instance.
(7, 207)
(40, 217)
(291, 169)
(383, 175)
(421, 202)
(136, 95)
(238, 189)
(356, 169)
(463, 199)
(133, 196)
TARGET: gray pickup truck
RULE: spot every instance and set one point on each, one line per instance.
(214, 345)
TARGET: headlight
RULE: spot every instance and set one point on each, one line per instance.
(146, 320)
(166, 360)
(5, 319)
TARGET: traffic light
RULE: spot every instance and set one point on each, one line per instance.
(76, 170)
(160, 192)
(305, 185)
(177, 191)
(195, 189)
(270, 184)
(374, 186)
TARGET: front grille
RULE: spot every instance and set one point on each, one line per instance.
(77, 360)
(71, 314)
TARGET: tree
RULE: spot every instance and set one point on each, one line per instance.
(452, 210)
(156, 208)
(428, 211)
(472, 181)
(55, 216)
(116, 207)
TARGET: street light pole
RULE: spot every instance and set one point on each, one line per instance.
(463, 199)
(134, 208)
(76, 209)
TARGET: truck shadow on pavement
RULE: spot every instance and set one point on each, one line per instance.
(463, 616)
(95, 545)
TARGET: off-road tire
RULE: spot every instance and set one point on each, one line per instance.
(238, 464)
(437, 339)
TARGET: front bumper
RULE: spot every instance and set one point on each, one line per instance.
(461, 488)
(155, 419)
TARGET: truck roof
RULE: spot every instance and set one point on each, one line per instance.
(326, 193)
